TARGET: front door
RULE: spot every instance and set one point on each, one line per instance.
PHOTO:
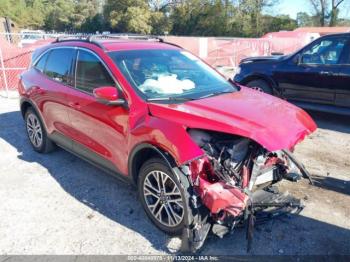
(314, 77)
(99, 130)
(342, 97)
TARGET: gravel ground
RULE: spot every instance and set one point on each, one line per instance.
(59, 204)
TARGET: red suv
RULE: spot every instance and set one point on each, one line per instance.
(196, 145)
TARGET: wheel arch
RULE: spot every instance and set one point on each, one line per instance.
(25, 104)
(24, 107)
(142, 153)
(272, 83)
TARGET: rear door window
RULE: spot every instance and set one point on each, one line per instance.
(59, 65)
(91, 73)
(40, 65)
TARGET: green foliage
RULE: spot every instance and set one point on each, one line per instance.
(248, 18)
(325, 13)
(129, 16)
(60, 13)
(304, 19)
(93, 24)
(198, 17)
(15, 9)
(277, 23)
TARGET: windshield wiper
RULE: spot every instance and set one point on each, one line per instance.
(181, 99)
(155, 99)
(216, 93)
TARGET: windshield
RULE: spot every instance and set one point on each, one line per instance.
(170, 74)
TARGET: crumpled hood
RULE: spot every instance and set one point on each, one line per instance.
(270, 121)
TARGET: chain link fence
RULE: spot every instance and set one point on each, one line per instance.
(222, 53)
(15, 56)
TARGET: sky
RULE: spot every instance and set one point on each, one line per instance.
(292, 7)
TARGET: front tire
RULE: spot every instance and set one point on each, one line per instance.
(260, 85)
(36, 133)
(162, 196)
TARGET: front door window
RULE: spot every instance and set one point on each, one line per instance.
(325, 52)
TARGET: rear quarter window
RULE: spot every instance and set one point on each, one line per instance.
(40, 65)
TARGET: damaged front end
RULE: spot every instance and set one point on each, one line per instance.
(232, 186)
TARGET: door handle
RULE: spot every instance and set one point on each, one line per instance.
(326, 73)
(75, 105)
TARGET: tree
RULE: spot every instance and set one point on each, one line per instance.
(83, 9)
(277, 23)
(94, 24)
(128, 16)
(59, 15)
(250, 15)
(246, 18)
(137, 20)
(334, 11)
(206, 17)
(326, 11)
(160, 23)
(304, 19)
(17, 11)
(320, 9)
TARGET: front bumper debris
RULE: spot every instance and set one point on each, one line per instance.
(219, 207)
(265, 205)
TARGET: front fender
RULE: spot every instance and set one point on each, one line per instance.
(169, 136)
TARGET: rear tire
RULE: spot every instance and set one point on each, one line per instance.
(36, 132)
(162, 196)
(260, 85)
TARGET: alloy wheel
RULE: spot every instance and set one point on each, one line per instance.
(163, 198)
(34, 130)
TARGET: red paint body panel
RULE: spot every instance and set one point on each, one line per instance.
(216, 195)
(270, 121)
(168, 136)
(108, 93)
(101, 128)
(221, 197)
(113, 132)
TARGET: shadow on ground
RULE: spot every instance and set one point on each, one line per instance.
(332, 184)
(339, 123)
(118, 201)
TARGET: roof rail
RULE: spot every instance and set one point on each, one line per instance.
(124, 36)
(80, 38)
(92, 38)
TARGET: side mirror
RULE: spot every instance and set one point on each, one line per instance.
(297, 59)
(108, 95)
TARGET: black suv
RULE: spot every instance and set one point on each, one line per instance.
(316, 77)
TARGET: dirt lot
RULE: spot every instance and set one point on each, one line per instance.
(59, 204)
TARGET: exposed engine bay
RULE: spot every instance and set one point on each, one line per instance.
(233, 185)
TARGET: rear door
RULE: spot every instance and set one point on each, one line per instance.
(99, 130)
(315, 77)
(342, 97)
(54, 79)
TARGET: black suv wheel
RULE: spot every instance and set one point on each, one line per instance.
(260, 85)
